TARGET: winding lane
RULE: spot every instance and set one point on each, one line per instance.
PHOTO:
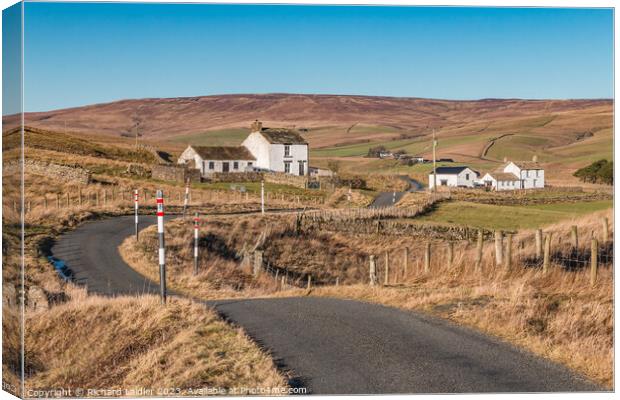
(334, 346)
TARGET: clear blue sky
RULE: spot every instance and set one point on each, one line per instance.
(78, 54)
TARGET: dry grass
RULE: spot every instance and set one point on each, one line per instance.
(558, 315)
(133, 343)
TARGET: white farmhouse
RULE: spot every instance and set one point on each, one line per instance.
(516, 175)
(278, 150)
(453, 176)
(212, 159)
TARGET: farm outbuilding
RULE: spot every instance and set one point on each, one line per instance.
(453, 177)
(212, 159)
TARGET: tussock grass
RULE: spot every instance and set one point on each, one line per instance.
(129, 342)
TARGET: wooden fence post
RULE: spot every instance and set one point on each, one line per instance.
(427, 257)
(57, 200)
(479, 244)
(80, 197)
(450, 253)
(309, 281)
(387, 269)
(258, 263)
(97, 197)
(539, 244)
(508, 251)
(373, 271)
(593, 262)
(105, 196)
(547, 254)
(605, 222)
(68, 201)
(45, 202)
(574, 237)
(498, 248)
(405, 261)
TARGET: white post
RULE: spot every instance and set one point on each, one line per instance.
(162, 254)
(135, 201)
(393, 197)
(262, 197)
(196, 227)
(186, 200)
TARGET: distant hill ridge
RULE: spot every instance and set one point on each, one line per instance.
(161, 118)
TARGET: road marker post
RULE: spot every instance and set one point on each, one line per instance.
(262, 197)
(135, 201)
(196, 227)
(162, 252)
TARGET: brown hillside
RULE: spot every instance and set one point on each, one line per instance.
(165, 117)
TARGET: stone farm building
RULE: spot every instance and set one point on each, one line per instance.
(453, 176)
(516, 175)
(265, 149)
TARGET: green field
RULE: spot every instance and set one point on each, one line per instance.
(222, 137)
(254, 187)
(509, 217)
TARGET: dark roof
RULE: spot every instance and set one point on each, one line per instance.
(451, 170)
(282, 136)
(223, 153)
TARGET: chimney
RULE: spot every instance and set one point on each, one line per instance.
(535, 158)
(256, 126)
(505, 159)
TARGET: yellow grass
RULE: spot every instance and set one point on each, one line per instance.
(134, 343)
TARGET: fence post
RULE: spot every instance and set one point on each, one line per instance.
(479, 244)
(97, 198)
(262, 197)
(57, 200)
(387, 269)
(593, 262)
(196, 227)
(105, 196)
(258, 262)
(373, 271)
(45, 202)
(508, 250)
(162, 251)
(450, 253)
(80, 197)
(186, 200)
(337, 281)
(574, 237)
(309, 281)
(605, 229)
(427, 257)
(547, 255)
(68, 201)
(405, 261)
(498, 248)
(539, 244)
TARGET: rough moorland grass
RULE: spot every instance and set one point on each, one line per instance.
(132, 343)
(220, 137)
(558, 315)
(509, 217)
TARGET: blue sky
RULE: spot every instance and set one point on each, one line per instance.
(78, 54)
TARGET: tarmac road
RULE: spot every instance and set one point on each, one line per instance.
(336, 346)
(387, 199)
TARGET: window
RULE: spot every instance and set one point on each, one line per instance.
(249, 163)
(287, 150)
(443, 182)
(527, 174)
(537, 173)
(211, 165)
(466, 177)
(287, 167)
(236, 165)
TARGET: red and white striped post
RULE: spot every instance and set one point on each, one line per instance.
(135, 201)
(196, 227)
(162, 253)
(186, 201)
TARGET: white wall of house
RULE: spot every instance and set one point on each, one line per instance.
(530, 178)
(212, 166)
(465, 178)
(259, 147)
(190, 154)
(272, 157)
(489, 180)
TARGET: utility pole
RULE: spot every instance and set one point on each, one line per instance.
(434, 162)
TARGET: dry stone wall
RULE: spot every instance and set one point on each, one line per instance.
(63, 173)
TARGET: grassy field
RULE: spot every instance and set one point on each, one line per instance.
(509, 217)
(221, 137)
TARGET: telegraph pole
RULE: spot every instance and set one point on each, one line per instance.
(434, 162)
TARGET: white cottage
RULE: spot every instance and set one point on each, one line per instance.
(515, 175)
(500, 181)
(211, 159)
(278, 150)
(454, 177)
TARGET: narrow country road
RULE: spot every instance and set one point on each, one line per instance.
(387, 199)
(336, 346)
